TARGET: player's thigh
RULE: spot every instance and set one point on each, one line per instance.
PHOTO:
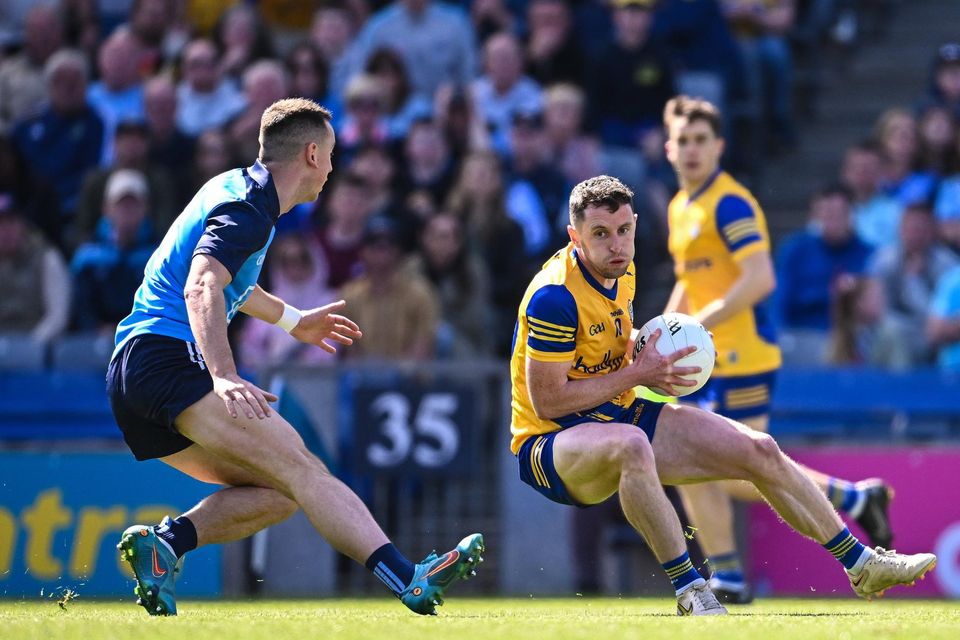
(202, 465)
(589, 457)
(269, 448)
(692, 445)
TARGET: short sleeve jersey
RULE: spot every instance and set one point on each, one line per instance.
(711, 232)
(231, 219)
(566, 315)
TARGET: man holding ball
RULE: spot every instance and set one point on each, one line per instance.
(721, 254)
(581, 434)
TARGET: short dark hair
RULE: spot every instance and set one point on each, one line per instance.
(867, 145)
(601, 191)
(833, 189)
(287, 125)
(693, 109)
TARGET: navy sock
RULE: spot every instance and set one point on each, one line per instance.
(180, 534)
(842, 494)
(727, 567)
(681, 572)
(846, 548)
(391, 567)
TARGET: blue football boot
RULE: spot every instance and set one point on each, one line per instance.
(155, 567)
(432, 576)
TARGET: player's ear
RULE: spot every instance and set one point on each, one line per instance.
(312, 154)
(574, 235)
(668, 149)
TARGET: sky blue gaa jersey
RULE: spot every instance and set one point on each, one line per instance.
(230, 219)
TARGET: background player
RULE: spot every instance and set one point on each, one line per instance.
(721, 253)
(581, 434)
(176, 395)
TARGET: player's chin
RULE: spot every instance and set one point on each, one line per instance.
(616, 269)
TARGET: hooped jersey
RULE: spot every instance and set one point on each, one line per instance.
(566, 315)
(711, 232)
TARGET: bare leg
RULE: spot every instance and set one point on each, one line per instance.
(595, 460)
(695, 446)
(272, 451)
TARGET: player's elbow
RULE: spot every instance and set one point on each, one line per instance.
(543, 407)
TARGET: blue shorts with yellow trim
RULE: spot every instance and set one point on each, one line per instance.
(736, 397)
(536, 453)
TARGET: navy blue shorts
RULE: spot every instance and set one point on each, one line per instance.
(736, 397)
(149, 383)
(536, 453)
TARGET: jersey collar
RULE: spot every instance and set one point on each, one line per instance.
(261, 175)
(703, 188)
(610, 293)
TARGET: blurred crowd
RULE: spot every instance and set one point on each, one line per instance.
(460, 129)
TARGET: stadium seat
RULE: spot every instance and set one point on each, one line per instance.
(19, 352)
(82, 352)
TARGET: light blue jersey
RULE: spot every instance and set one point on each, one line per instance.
(232, 220)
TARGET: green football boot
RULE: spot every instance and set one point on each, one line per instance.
(434, 575)
(155, 567)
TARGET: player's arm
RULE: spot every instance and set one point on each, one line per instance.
(740, 229)
(755, 283)
(678, 299)
(313, 326)
(941, 331)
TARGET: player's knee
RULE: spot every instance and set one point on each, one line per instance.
(633, 451)
(765, 454)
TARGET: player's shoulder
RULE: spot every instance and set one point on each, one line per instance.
(727, 187)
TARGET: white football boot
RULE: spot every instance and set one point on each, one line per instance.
(699, 601)
(885, 569)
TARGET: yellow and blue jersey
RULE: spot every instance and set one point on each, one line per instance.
(566, 315)
(711, 232)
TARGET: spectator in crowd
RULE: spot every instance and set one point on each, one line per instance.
(205, 99)
(170, 147)
(151, 22)
(397, 307)
(943, 324)
(332, 33)
(23, 88)
(908, 272)
(310, 75)
(81, 26)
(462, 285)
(937, 133)
(491, 16)
(299, 278)
(118, 94)
(553, 53)
(947, 204)
(65, 140)
(810, 262)
(897, 134)
(340, 235)
(401, 106)
(427, 171)
(460, 121)
(365, 121)
(211, 156)
(34, 197)
(876, 215)
(761, 30)
(264, 82)
(34, 281)
(478, 199)
(576, 154)
(108, 270)
(536, 190)
(503, 90)
(243, 38)
(628, 97)
(859, 333)
(434, 38)
(374, 165)
(945, 88)
(131, 151)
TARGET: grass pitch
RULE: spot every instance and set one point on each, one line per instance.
(476, 619)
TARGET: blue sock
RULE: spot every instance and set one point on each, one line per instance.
(391, 567)
(842, 494)
(681, 572)
(180, 534)
(846, 548)
(727, 567)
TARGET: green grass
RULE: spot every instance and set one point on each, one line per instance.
(469, 619)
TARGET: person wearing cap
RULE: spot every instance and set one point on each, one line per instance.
(107, 270)
(397, 307)
(945, 86)
(628, 97)
(34, 281)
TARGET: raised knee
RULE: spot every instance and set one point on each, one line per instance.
(765, 453)
(633, 451)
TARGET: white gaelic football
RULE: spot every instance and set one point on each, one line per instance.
(678, 330)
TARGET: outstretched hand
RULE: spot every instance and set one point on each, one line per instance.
(659, 372)
(319, 325)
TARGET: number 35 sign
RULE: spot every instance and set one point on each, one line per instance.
(411, 429)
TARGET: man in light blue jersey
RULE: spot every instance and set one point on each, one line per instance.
(176, 395)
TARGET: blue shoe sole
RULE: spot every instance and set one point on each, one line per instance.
(147, 592)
